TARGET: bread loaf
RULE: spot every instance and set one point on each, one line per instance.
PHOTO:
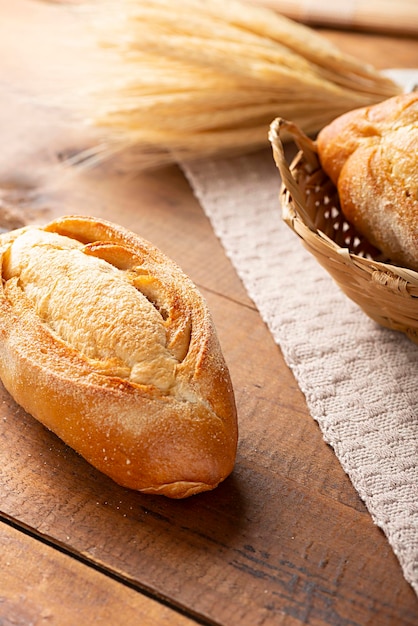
(371, 154)
(105, 341)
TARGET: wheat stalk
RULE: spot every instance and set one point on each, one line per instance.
(196, 78)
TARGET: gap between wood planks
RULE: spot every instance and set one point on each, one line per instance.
(62, 548)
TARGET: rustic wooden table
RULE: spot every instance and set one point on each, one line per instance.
(285, 540)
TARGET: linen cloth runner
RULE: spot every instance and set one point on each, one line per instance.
(359, 379)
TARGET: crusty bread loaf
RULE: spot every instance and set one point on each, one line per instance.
(371, 154)
(105, 341)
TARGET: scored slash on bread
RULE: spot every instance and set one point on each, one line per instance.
(107, 343)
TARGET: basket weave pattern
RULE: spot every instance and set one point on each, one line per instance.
(310, 206)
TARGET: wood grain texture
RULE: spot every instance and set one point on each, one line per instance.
(39, 585)
(286, 539)
(285, 536)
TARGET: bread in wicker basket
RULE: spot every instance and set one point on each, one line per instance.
(310, 206)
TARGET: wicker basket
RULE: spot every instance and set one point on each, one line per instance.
(386, 293)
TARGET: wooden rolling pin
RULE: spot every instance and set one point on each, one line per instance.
(399, 17)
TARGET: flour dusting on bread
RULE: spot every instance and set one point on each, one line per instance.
(110, 345)
(371, 154)
(93, 306)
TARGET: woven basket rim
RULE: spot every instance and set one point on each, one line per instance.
(387, 293)
(293, 206)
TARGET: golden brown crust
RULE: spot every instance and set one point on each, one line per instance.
(175, 438)
(371, 156)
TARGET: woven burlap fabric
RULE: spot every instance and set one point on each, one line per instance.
(359, 380)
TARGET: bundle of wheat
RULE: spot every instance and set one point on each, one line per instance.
(194, 78)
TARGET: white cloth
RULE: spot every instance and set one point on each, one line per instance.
(359, 380)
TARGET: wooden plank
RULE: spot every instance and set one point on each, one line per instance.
(285, 536)
(40, 585)
(382, 51)
(286, 540)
